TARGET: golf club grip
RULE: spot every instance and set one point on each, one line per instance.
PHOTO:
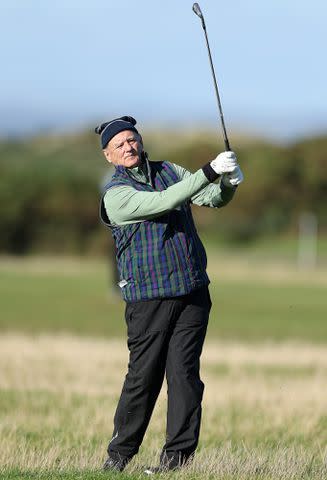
(223, 127)
(227, 146)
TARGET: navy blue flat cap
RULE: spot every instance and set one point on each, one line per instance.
(108, 130)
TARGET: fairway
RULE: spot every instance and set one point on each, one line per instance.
(251, 300)
(264, 412)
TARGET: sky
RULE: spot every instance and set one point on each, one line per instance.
(70, 64)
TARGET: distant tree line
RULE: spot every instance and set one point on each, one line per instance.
(50, 188)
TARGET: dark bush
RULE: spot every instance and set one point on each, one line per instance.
(50, 188)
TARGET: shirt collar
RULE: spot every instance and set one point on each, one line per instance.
(141, 173)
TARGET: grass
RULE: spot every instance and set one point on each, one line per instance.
(63, 358)
(264, 412)
(252, 300)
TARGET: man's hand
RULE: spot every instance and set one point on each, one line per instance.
(234, 178)
(225, 162)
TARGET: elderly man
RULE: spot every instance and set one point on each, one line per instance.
(163, 280)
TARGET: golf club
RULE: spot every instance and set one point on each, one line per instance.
(197, 10)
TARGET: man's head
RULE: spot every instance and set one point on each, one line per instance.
(121, 142)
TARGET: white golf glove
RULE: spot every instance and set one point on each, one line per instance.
(225, 162)
(234, 178)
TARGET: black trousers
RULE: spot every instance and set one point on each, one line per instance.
(164, 336)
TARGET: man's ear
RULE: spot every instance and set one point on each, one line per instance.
(107, 154)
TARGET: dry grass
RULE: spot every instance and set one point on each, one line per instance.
(264, 407)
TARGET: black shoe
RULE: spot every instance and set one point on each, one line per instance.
(169, 463)
(115, 465)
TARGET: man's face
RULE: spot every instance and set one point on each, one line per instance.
(124, 149)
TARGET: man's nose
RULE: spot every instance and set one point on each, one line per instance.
(127, 146)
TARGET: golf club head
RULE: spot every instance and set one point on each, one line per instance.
(197, 10)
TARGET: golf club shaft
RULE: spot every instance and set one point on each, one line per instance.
(198, 12)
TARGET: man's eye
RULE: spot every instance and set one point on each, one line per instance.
(119, 146)
(131, 140)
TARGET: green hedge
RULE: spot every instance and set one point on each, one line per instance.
(49, 189)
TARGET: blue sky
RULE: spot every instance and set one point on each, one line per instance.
(70, 64)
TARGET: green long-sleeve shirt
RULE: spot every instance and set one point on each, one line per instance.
(125, 204)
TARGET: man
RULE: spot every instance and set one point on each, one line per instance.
(162, 268)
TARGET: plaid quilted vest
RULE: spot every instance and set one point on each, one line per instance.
(162, 257)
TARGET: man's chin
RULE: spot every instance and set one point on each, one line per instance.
(132, 161)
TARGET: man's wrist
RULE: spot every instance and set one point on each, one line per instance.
(209, 172)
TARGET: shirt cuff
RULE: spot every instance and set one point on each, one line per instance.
(209, 172)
